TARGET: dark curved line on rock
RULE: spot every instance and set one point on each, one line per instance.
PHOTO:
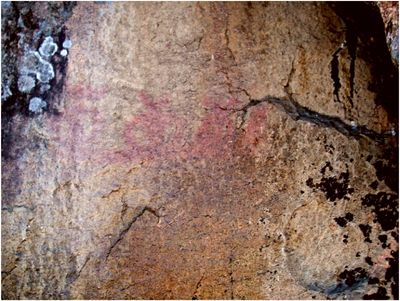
(299, 112)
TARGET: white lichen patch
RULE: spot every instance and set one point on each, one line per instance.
(48, 47)
(34, 64)
(64, 52)
(45, 72)
(26, 83)
(36, 105)
(67, 44)
(5, 91)
(44, 88)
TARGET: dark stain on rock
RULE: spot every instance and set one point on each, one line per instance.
(395, 235)
(388, 174)
(343, 220)
(392, 273)
(368, 260)
(383, 239)
(334, 188)
(326, 166)
(345, 238)
(335, 74)
(367, 25)
(366, 230)
(385, 207)
(329, 148)
(351, 42)
(373, 280)
(374, 185)
(381, 294)
(353, 277)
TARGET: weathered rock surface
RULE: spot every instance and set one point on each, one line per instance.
(206, 150)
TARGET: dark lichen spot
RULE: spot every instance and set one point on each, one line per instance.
(392, 273)
(368, 260)
(326, 166)
(329, 148)
(349, 216)
(381, 294)
(383, 239)
(352, 277)
(358, 254)
(388, 174)
(336, 188)
(374, 185)
(385, 207)
(310, 182)
(341, 221)
(373, 280)
(366, 230)
(395, 235)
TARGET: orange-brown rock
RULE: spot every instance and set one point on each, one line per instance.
(206, 151)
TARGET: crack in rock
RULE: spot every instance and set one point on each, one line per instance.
(335, 73)
(299, 112)
(129, 225)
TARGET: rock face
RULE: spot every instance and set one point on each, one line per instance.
(205, 151)
(390, 15)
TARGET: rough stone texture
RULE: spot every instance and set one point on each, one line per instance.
(390, 15)
(206, 150)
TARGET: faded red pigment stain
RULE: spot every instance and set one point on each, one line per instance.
(216, 137)
(156, 133)
(159, 133)
(254, 129)
(78, 129)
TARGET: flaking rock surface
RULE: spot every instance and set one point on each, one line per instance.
(206, 150)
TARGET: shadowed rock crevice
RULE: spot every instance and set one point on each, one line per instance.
(299, 112)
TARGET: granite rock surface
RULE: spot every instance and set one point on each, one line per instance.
(201, 151)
